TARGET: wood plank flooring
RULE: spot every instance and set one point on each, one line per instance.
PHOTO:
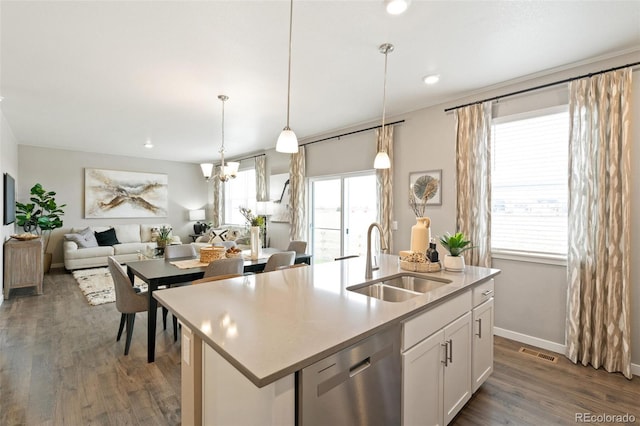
(60, 365)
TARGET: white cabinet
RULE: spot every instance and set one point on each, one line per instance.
(447, 354)
(437, 371)
(457, 366)
(423, 382)
(482, 343)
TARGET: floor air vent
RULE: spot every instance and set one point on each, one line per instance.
(539, 355)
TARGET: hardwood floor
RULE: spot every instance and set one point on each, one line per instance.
(61, 365)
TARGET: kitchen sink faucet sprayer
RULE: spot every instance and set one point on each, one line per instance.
(383, 246)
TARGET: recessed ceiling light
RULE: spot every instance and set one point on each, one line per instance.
(1, 98)
(148, 144)
(431, 79)
(396, 7)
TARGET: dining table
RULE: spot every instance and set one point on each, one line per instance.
(162, 272)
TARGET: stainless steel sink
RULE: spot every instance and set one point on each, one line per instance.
(386, 293)
(399, 288)
(409, 282)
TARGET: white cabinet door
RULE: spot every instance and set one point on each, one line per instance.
(482, 365)
(422, 383)
(457, 371)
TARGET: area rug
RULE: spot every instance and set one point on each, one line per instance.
(97, 285)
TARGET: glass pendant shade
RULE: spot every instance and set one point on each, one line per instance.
(382, 161)
(231, 169)
(207, 169)
(287, 142)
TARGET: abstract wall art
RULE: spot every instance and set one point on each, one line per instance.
(122, 194)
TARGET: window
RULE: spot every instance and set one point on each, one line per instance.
(529, 189)
(239, 192)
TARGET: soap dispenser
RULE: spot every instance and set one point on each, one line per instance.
(432, 253)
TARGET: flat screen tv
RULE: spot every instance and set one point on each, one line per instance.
(9, 199)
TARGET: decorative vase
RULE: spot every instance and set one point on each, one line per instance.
(255, 242)
(420, 235)
(453, 263)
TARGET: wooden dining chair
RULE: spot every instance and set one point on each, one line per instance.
(128, 301)
(215, 278)
(234, 265)
(276, 260)
(300, 247)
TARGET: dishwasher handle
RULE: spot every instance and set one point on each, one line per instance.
(360, 367)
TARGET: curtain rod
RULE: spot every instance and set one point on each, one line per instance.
(543, 86)
(249, 157)
(351, 133)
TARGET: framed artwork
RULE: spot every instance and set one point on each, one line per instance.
(426, 187)
(121, 194)
(281, 188)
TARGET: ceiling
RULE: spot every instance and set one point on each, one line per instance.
(106, 76)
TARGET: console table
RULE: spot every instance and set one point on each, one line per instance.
(23, 265)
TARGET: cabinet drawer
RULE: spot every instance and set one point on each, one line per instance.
(425, 324)
(483, 292)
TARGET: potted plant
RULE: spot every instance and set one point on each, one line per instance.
(456, 245)
(164, 236)
(41, 215)
(256, 224)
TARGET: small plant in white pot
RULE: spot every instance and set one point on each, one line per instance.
(456, 245)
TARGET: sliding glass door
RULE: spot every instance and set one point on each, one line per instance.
(342, 207)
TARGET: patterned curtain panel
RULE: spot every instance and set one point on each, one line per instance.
(297, 172)
(473, 178)
(384, 180)
(217, 202)
(598, 330)
(261, 178)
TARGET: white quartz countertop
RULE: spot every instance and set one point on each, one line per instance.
(272, 324)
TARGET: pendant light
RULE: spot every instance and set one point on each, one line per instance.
(231, 169)
(287, 141)
(382, 160)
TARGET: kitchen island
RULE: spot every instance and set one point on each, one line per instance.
(245, 338)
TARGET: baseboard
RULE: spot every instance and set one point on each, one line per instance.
(544, 344)
(529, 340)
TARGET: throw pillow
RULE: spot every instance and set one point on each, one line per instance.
(107, 238)
(217, 235)
(84, 238)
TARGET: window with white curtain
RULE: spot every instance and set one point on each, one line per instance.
(529, 179)
(239, 192)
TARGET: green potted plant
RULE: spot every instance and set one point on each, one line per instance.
(164, 236)
(41, 215)
(456, 245)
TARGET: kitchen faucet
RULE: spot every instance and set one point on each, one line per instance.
(369, 269)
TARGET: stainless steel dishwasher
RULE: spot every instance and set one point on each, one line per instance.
(359, 385)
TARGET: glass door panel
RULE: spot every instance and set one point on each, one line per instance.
(327, 219)
(360, 203)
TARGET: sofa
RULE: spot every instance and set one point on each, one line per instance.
(228, 236)
(81, 248)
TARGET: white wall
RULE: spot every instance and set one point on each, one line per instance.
(63, 172)
(9, 164)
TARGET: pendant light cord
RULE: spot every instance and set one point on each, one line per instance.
(289, 76)
(223, 98)
(384, 91)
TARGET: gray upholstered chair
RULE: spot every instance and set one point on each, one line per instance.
(300, 247)
(179, 250)
(234, 265)
(277, 260)
(128, 301)
(174, 252)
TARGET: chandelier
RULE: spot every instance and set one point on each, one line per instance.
(228, 171)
